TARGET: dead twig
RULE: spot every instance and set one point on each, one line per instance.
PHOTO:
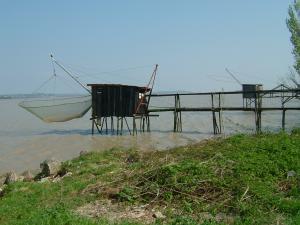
(243, 196)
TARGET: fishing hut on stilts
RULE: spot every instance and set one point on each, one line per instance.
(113, 104)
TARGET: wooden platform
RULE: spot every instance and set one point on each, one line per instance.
(248, 105)
(217, 109)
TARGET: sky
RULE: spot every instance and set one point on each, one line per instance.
(120, 41)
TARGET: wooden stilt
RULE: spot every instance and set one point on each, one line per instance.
(127, 125)
(258, 106)
(177, 115)
(214, 117)
(121, 131)
(214, 122)
(148, 124)
(93, 123)
(180, 118)
(112, 125)
(133, 126)
(283, 119)
(102, 124)
(106, 127)
(143, 118)
(97, 126)
(118, 125)
(213, 114)
(220, 115)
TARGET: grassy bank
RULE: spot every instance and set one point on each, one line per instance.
(239, 180)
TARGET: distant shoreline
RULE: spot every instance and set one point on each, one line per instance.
(37, 95)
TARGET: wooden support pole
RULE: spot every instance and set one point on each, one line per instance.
(214, 122)
(214, 119)
(143, 123)
(220, 115)
(148, 124)
(180, 118)
(97, 126)
(93, 123)
(135, 127)
(256, 121)
(259, 121)
(175, 114)
(102, 124)
(127, 125)
(133, 123)
(258, 106)
(121, 132)
(106, 127)
(140, 124)
(283, 119)
(112, 125)
(118, 125)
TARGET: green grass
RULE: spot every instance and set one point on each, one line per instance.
(244, 177)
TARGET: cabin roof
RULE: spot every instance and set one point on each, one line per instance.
(141, 89)
(253, 84)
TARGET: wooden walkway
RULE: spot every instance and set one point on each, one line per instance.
(254, 104)
(209, 109)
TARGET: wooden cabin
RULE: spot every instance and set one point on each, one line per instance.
(118, 100)
(250, 89)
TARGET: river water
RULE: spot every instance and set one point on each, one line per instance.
(25, 140)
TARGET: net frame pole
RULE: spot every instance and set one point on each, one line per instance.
(70, 74)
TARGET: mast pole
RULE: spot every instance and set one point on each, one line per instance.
(64, 69)
(231, 74)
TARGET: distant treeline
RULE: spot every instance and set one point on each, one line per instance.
(36, 95)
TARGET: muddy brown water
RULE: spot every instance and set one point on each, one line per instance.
(25, 140)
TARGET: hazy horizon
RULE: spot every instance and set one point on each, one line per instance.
(120, 41)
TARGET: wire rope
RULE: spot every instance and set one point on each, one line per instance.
(111, 73)
(43, 84)
(63, 80)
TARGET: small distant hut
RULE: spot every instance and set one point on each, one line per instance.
(250, 93)
(249, 90)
